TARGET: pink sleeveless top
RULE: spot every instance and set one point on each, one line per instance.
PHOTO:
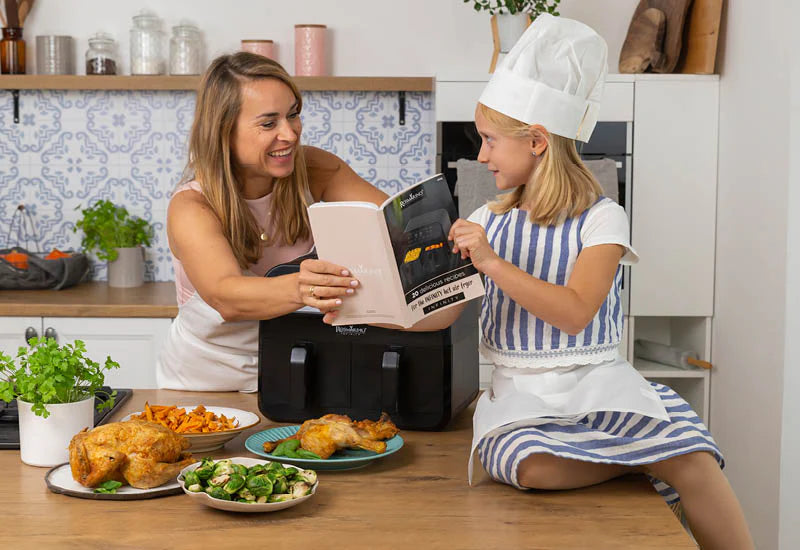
(270, 255)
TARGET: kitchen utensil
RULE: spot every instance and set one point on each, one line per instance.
(668, 355)
(645, 41)
(700, 49)
(12, 13)
(675, 12)
(232, 506)
(59, 480)
(347, 459)
(211, 441)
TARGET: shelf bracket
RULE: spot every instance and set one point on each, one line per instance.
(401, 97)
(15, 96)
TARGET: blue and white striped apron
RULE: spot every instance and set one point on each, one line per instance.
(597, 408)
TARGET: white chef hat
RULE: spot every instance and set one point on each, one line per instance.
(553, 76)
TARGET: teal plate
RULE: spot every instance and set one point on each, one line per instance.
(347, 459)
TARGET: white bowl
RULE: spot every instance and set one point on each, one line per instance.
(206, 442)
(232, 506)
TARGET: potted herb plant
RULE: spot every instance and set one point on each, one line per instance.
(54, 387)
(117, 237)
(510, 18)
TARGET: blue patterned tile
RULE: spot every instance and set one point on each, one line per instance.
(72, 148)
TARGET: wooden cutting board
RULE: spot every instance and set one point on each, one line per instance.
(675, 12)
(701, 38)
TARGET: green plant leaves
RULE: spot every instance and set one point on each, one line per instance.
(45, 373)
(531, 7)
(106, 227)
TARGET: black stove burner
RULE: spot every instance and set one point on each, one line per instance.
(9, 417)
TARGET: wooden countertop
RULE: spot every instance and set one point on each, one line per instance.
(94, 299)
(415, 498)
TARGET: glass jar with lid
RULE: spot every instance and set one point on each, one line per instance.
(147, 50)
(101, 57)
(12, 51)
(185, 50)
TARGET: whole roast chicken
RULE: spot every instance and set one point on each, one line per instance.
(140, 453)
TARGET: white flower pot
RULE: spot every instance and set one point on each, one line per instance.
(45, 441)
(510, 28)
(128, 269)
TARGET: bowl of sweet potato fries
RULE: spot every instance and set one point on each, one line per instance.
(207, 428)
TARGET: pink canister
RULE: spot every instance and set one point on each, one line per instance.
(309, 50)
(261, 47)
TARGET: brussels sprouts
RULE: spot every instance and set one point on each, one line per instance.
(205, 470)
(256, 470)
(240, 469)
(262, 483)
(217, 492)
(235, 483)
(261, 500)
(191, 478)
(280, 485)
(300, 489)
(219, 480)
(279, 498)
(196, 488)
(223, 467)
(246, 494)
(309, 476)
(275, 467)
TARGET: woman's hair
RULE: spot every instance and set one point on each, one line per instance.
(561, 186)
(211, 162)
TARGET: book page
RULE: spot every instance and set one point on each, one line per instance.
(353, 235)
(418, 221)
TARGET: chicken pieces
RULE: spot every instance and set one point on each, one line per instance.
(140, 453)
(332, 432)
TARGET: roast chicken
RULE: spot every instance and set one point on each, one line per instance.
(140, 453)
(332, 432)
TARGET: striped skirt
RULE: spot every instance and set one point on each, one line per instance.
(604, 437)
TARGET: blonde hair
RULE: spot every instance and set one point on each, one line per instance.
(561, 186)
(219, 101)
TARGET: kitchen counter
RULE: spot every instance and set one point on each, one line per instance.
(93, 299)
(417, 497)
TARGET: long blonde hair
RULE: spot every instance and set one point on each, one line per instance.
(560, 187)
(219, 102)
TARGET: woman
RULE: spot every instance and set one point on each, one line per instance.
(241, 210)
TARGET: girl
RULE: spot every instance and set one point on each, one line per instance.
(241, 211)
(565, 410)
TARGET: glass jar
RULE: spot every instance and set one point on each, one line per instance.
(185, 50)
(147, 50)
(101, 57)
(12, 51)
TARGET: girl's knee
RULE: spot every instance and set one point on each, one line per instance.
(540, 471)
(685, 467)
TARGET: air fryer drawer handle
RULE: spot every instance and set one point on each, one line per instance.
(390, 370)
(298, 377)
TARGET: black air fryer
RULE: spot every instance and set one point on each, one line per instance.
(421, 379)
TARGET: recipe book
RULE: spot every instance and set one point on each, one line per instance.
(399, 252)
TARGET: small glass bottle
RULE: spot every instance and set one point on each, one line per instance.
(101, 57)
(147, 50)
(12, 51)
(184, 50)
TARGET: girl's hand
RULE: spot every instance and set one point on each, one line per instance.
(324, 285)
(470, 240)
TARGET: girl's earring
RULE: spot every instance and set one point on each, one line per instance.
(533, 153)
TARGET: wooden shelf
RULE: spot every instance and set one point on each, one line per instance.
(130, 82)
(650, 369)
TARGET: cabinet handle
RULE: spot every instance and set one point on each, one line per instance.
(50, 332)
(30, 332)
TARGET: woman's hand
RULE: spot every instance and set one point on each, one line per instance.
(323, 285)
(470, 240)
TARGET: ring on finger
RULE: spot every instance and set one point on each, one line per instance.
(311, 291)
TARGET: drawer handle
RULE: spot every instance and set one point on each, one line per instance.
(30, 332)
(50, 332)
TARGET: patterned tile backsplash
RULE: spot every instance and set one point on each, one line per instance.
(71, 148)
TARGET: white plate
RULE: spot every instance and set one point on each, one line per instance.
(231, 506)
(201, 443)
(59, 480)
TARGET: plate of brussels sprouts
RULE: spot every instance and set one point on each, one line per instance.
(247, 484)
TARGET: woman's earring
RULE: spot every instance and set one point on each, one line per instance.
(533, 153)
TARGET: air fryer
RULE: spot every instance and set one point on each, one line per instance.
(427, 250)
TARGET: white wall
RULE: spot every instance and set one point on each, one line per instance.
(750, 286)
(367, 38)
(790, 447)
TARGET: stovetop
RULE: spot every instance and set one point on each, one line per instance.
(9, 417)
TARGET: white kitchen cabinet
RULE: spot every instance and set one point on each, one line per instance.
(13, 331)
(132, 342)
